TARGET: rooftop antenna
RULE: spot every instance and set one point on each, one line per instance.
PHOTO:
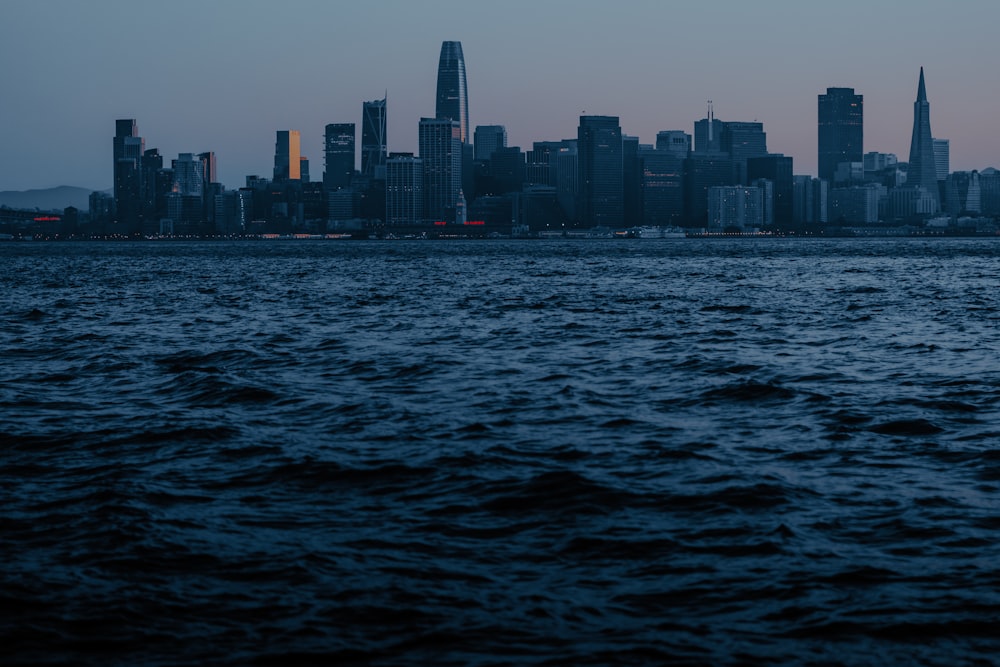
(711, 121)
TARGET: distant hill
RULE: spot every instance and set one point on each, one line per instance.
(49, 199)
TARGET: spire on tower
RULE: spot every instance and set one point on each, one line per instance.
(921, 90)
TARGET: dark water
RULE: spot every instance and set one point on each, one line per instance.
(552, 453)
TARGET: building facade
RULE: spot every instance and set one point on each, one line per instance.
(841, 130)
(287, 151)
(452, 91)
(600, 182)
(338, 150)
(373, 138)
(735, 208)
(440, 141)
(404, 183)
(777, 169)
(487, 139)
(922, 172)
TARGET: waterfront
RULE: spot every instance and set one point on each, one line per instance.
(541, 452)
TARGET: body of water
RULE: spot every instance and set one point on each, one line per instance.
(509, 452)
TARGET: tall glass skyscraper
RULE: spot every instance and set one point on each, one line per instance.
(441, 152)
(601, 186)
(339, 153)
(128, 148)
(841, 130)
(922, 171)
(452, 93)
(286, 155)
(373, 137)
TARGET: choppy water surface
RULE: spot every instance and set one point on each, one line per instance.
(621, 452)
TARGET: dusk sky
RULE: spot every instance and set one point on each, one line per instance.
(223, 76)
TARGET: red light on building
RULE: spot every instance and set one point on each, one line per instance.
(47, 218)
(440, 223)
(475, 222)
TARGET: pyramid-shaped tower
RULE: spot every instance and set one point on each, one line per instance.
(922, 171)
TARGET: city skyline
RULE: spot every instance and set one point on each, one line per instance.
(235, 100)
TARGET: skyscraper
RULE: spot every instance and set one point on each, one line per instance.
(601, 186)
(441, 152)
(373, 137)
(743, 141)
(286, 155)
(841, 130)
(404, 189)
(487, 139)
(922, 171)
(128, 148)
(338, 150)
(708, 132)
(452, 93)
(777, 169)
(676, 141)
(942, 158)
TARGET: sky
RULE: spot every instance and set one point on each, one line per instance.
(224, 75)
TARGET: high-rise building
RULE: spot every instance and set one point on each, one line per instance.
(507, 169)
(708, 132)
(743, 141)
(404, 189)
(662, 186)
(809, 200)
(128, 148)
(631, 182)
(942, 158)
(287, 151)
(487, 139)
(735, 207)
(922, 172)
(599, 160)
(373, 138)
(338, 149)
(777, 169)
(189, 175)
(703, 170)
(841, 130)
(209, 172)
(440, 141)
(452, 92)
(676, 141)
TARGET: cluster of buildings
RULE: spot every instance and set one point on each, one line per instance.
(720, 179)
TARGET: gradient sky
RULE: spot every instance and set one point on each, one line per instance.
(223, 75)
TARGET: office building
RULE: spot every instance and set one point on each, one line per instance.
(599, 154)
(128, 148)
(922, 172)
(676, 141)
(507, 168)
(708, 132)
(701, 172)
(287, 151)
(189, 175)
(735, 208)
(942, 158)
(373, 139)
(452, 92)
(404, 195)
(487, 139)
(777, 169)
(440, 142)
(743, 141)
(338, 149)
(662, 186)
(841, 130)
